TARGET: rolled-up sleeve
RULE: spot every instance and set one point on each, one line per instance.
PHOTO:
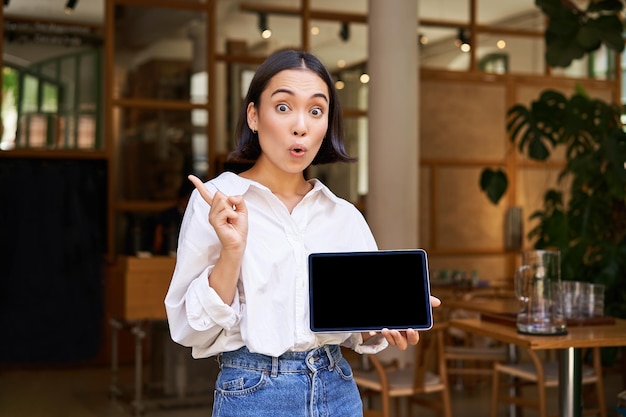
(205, 308)
(355, 342)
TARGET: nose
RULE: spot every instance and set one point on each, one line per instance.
(299, 129)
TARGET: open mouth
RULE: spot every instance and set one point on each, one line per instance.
(298, 149)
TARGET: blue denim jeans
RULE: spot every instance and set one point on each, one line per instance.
(317, 383)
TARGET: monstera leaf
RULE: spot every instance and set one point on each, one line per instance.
(577, 122)
(493, 183)
(537, 129)
(573, 32)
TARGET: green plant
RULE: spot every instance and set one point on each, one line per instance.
(589, 229)
(574, 31)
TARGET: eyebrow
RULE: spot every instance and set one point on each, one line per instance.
(284, 90)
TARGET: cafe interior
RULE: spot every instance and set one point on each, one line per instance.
(108, 105)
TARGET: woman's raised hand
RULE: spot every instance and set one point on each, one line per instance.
(228, 215)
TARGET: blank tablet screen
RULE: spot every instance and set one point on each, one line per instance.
(363, 291)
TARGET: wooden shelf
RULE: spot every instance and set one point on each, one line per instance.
(44, 153)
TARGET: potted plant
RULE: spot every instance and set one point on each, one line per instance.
(590, 228)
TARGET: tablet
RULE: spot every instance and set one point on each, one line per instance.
(365, 291)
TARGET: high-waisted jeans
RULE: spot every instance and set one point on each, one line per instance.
(317, 383)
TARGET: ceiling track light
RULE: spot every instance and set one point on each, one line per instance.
(266, 32)
(462, 40)
(344, 32)
(70, 6)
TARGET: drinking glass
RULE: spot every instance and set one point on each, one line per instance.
(572, 292)
(538, 287)
(592, 300)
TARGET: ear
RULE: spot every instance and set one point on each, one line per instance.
(252, 117)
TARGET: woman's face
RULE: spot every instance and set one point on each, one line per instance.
(292, 119)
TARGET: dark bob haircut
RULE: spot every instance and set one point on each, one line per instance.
(332, 149)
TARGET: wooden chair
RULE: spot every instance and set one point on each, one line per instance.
(423, 382)
(542, 375)
(470, 357)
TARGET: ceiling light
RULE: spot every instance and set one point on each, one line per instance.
(266, 32)
(344, 32)
(462, 40)
(70, 6)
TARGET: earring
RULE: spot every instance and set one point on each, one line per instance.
(254, 131)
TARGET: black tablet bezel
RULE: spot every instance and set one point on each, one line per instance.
(369, 291)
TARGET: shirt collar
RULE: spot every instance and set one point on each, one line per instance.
(232, 184)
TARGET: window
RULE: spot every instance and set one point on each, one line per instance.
(54, 104)
(496, 63)
(10, 94)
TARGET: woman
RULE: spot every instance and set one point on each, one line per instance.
(239, 290)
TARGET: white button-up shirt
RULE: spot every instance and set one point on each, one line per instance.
(270, 312)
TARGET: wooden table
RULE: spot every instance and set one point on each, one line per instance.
(494, 306)
(570, 371)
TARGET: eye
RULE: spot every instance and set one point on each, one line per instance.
(316, 111)
(282, 108)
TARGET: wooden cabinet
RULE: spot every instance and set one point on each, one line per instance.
(137, 287)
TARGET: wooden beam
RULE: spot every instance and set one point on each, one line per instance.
(362, 18)
(313, 14)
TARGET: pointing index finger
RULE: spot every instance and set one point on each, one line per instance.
(206, 195)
